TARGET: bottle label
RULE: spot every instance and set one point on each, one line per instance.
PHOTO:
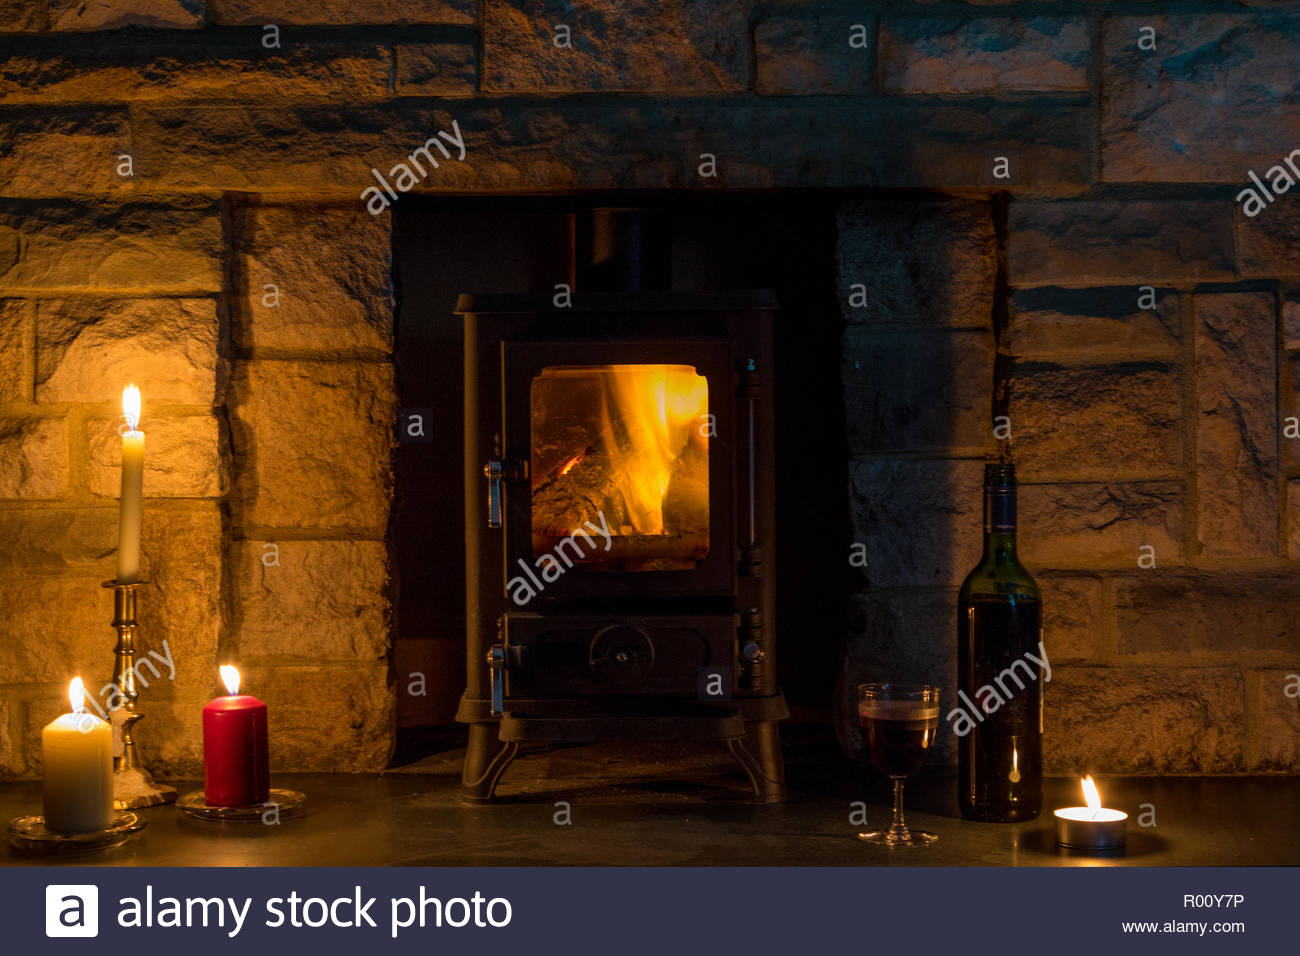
(999, 510)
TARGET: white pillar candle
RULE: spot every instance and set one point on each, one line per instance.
(128, 535)
(78, 749)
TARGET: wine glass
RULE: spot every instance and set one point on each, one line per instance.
(899, 722)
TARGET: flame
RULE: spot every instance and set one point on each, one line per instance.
(230, 677)
(131, 406)
(77, 695)
(1090, 794)
(659, 408)
(568, 465)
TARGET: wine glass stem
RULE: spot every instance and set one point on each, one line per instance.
(899, 827)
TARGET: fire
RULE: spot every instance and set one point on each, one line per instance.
(660, 409)
(131, 406)
(230, 677)
(1090, 794)
(77, 695)
(568, 465)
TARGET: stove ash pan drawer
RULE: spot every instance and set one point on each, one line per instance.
(575, 656)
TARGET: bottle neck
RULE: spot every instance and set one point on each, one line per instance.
(1000, 524)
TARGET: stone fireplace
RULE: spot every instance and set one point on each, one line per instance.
(1040, 248)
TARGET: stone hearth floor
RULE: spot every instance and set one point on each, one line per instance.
(675, 806)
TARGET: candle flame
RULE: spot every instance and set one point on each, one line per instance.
(77, 695)
(230, 677)
(1090, 794)
(131, 406)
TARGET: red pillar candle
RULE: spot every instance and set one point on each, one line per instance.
(235, 769)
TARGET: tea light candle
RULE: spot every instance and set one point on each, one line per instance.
(1092, 827)
(78, 785)
(235, 764)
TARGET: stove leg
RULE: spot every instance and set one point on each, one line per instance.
(486, 759)
(759, 752)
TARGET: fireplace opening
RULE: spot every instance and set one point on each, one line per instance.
(627, 445)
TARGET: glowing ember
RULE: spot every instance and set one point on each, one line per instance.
(568, 465)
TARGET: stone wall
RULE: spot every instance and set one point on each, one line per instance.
(181, 205)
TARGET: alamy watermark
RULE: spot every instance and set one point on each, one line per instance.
(556, 562)
(990, 697)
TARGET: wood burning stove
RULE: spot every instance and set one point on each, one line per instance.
(619, 525)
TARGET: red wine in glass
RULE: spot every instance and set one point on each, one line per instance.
(899, 722)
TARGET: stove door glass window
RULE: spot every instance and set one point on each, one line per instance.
(620, 467)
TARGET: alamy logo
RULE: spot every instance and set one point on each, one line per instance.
(71, 910)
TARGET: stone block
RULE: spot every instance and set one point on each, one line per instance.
(622, 45)
(811, 54)
(342, 12)
(88, 350)
(1291, 322)
(312, 278)
(182, 458)
(1236, 431)
(1293, 519)
(72, 541)
(170, 738)
(20, 16)
(1144, 720)
(917, 390)
(984, 55)
(1103, 422)
(1100, 525)
(906, 636)
(1182, 612)
(315, 601)
(436, 69)
(1092, 324)
(115, 14)
(1267, 241)
(64, 152)
(61, 620)
(1275, 744)
(1206, 104)
(327, 718)
(17, 328)
(182, 552)
(59, 629)
(625, 142)
(313, 443)
(232, 66)
(927, 263)
(13, 762)
(1096, 242)
(33, 458)
(921, 520)
(106, 248)
(1074, 616)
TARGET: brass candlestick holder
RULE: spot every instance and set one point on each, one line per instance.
(132, 786)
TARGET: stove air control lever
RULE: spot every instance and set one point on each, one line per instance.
(496, 659)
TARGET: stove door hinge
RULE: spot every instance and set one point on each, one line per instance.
(752, 655)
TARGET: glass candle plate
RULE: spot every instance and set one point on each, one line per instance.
(283, 804)
(30, 834)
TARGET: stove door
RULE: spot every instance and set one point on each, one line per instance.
(624, 456)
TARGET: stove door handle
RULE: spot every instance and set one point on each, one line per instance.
(494, 470)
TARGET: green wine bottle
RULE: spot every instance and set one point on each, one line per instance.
(1000, 671)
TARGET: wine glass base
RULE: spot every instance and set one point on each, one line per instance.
(888, 838)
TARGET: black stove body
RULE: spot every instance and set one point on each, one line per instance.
(619, 526)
